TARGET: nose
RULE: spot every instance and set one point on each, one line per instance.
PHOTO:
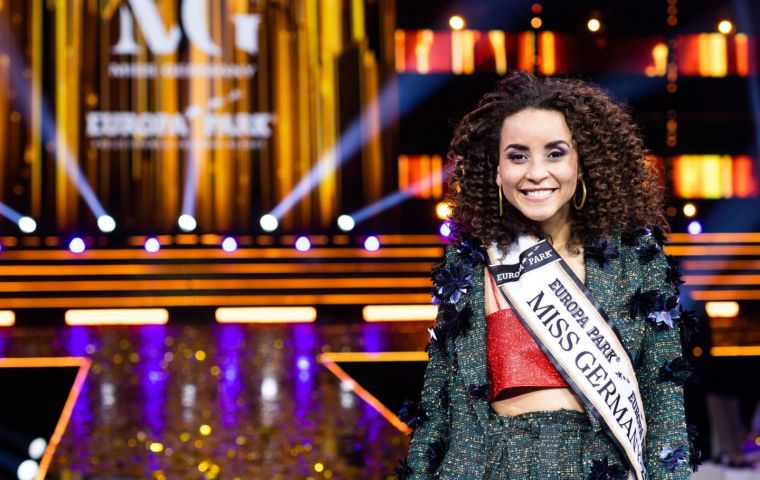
(537, 171)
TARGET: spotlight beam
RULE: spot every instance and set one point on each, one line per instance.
(392, 200)
(49, 127)
(351, 140)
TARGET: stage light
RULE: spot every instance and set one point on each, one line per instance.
(187, 222)
(694, 228)
(121, 316)
(269, 223)
(152, 245)
(27, 470)
(76, 245)
(7, 318)
(443, 210)
(689, 210)
(303, 244)
(722, 309)
(106, 223)
(346, 223)
(229, 244)
(594, 25)
(27, 224)
(536, 22)
(269, 389)
(725, 27)
(303, 362)
(456, 22)
(445, 229)
(399, 313)
(536, 8)
(37, 448)
(266, 314)
(372, 243)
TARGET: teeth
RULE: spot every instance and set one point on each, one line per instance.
(538, 193)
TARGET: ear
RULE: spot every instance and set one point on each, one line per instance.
(498, 175)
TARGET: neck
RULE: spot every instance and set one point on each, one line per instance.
(557, 228)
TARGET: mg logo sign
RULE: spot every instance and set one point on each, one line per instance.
(163, 41)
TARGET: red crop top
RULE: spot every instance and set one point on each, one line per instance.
(514, 357)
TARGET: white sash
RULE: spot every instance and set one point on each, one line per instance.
(572, 330)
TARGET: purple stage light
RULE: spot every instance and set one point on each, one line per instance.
(694, 228)
(445, 229)
(76, 245)
(152, 245)
(372, 243)
(229, 244)
(303, 244)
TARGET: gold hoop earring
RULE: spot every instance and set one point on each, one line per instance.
(583, 198)
(501, 206)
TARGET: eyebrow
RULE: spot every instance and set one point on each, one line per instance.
(553, 144)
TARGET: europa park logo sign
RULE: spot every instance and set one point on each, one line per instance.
(163, 41)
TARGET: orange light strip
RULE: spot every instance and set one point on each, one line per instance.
(217, 284)
(218, 254)
(718, 295)
(266, 315)
(374, 357)
(712, 250)
(215, 300)
(60, 427)
(722, 309)
(715, 238)
(735, 351)
(399, 313)
(214, 268)
(7, 318)
(720, 264)
(134, 316)
(329, 359)
(722, 279)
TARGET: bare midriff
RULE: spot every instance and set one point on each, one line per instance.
(517, 400)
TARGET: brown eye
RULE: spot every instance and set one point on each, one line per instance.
(559, 153)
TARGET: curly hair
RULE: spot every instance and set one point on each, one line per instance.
(623, 192)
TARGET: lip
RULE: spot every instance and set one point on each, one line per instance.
(524, 194)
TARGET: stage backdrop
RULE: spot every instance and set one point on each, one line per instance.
(154, 108)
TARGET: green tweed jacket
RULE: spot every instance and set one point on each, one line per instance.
(460, 422)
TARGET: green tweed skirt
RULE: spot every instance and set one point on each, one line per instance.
(542, 445)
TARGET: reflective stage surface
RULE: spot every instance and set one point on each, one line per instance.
(220, 401)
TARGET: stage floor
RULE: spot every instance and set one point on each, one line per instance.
(222, 401)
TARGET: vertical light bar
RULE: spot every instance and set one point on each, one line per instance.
(422, 50)
(741, 44)
(498, 43)
(725, 179)
(457, 51)
(424, 172)
(403, 172)
(710, 176)
(526, 51)
(437, 183)
(547, 53)
(35, 145)
(745, 177)
(468, 51)
(399, 42)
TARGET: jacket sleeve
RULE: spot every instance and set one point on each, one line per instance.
(663, 399)
(431, 438)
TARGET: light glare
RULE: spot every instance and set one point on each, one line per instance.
(76, 245)
(269, 223)
(443, 210)
(106, 223)
(303, 244)
(152, 245)
(187, 222)
(372, 243)
(37, 448)
(594, 25)
(27, 224)
(346, 223)
(27, 470)
(725, 27)
(445, 229)
(456, 22)
(229, 244)
(689, 210)
(695, 228)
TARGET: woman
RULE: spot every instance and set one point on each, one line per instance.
(554, 354)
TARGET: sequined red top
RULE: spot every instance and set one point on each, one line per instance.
(514, 357)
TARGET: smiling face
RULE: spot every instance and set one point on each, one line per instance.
(538, 166)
